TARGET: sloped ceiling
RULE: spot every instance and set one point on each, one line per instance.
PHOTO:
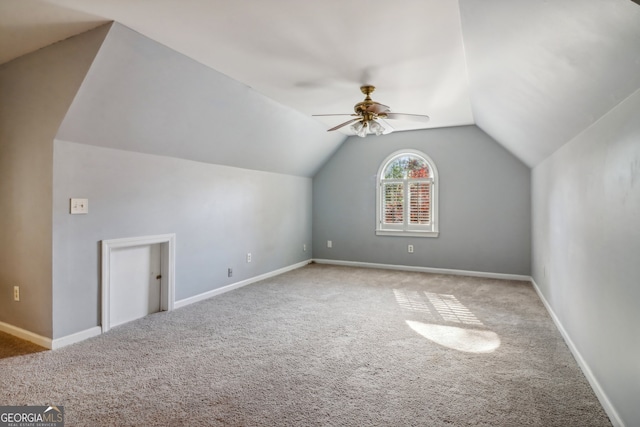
(541, 72)
(141, 96)
(531, 73)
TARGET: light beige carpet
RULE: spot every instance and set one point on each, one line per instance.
(323, 346)
(11, 346)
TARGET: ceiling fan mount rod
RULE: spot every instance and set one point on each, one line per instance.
(367, 89)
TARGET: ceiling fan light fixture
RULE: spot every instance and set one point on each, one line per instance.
(376, 128)
(361, 128)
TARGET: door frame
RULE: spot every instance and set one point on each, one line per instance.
(167, 271)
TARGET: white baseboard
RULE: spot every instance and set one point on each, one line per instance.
(49, 343)
(218, 291)
(425, 269)
(26, 335)
(77, 337)
(595, 385)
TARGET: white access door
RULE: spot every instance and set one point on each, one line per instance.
(134, 284)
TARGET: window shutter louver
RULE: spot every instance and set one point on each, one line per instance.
(393, 203)
(419, 203)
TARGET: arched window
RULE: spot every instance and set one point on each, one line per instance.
(407, 197)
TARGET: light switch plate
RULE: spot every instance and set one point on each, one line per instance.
(79, 206)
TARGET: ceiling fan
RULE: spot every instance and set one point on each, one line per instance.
(370, 116)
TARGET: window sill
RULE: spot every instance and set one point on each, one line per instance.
(411, 233)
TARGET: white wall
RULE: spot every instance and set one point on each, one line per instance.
(35, 93)
(586, 250)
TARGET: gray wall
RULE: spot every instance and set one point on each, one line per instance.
(586, 248)
(484, 204)
(154, 140)
(219, 214)
(35, 92)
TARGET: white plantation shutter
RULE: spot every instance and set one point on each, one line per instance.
(407, 196)
(420, 203)
(393, 204)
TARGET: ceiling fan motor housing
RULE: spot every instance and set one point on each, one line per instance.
(368, 108)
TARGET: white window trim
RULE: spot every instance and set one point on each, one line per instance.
(433, 231)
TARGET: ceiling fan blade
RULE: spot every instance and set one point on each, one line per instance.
(323, 115)
(344, 124)
(407, 117)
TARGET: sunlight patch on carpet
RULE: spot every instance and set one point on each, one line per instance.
(451, 310)
(461, 339)
(436, 307)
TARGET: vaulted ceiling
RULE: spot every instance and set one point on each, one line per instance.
(533, 74)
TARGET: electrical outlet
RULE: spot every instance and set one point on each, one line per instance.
(229, 272)
(16, 293)
(410, 249)
(329, 244)
(249, 257)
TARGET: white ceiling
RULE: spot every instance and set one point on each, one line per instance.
(531, 73)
